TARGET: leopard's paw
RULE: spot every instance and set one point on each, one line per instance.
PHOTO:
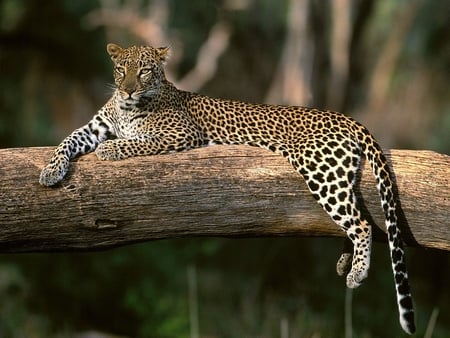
(109, 150)
(52, 174)
(355, 278)
(344, 263)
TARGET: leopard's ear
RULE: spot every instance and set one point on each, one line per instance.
(114, 51)
(163, 53)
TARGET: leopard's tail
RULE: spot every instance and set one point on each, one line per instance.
(385, 186)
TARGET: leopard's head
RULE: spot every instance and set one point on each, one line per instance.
(138, 70)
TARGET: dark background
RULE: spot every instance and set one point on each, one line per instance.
(383, 62)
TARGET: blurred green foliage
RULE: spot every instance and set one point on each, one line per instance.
(55, 73)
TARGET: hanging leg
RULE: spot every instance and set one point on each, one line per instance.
(330, 175)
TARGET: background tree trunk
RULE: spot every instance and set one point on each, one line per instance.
(229, 191)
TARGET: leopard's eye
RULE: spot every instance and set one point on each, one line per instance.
(144, 71)
(120, 70)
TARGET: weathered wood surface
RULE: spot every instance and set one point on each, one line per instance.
(230, 191)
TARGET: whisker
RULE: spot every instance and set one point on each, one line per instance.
(110, 88)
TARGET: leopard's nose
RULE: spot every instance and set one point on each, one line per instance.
(126, 95)
(129, 88)
(126, 91)
(129, 84)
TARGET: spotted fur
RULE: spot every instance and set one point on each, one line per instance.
(147, 115)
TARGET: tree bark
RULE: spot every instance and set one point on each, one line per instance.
(225, 191)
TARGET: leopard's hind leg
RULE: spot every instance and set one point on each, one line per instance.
(330, 170)
(359, 232)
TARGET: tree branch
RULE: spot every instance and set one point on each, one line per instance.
(229, 191)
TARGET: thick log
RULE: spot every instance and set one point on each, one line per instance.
(229, 191)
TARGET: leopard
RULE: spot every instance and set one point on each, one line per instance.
(149, 115)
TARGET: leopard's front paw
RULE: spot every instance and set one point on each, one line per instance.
(52, 174)
(109, 150)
